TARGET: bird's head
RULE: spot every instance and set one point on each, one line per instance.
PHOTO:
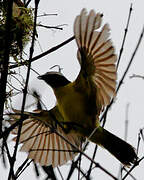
(54, 79)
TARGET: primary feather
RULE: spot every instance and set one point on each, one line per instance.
(97, 54)
(43, 145)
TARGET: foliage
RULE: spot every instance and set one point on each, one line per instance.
(21, 29)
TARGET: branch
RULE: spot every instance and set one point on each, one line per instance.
(4, 72)
(24, 91)
(124, 38)
(43, 54)
(136, 164)
(81, 152)
(52, 27)
(136, 76)
(5, 61)
(125, 138)
(44, 14)
(125, 73)
(90, 168)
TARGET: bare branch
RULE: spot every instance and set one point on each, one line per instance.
(24, 91)
(5, 61)
(136, 164)
(125, 72)
(43, 54)
(136, 76)
(126, 122)
(45, 14)
(124, 38)
(59, 27)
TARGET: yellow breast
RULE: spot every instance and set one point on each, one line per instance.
(74, 105)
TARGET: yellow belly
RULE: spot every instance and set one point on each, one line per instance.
(74, 106)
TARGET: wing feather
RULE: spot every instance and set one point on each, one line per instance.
(44, 152)
(43, 145)
(96, 54)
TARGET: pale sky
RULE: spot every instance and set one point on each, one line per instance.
(115, 13)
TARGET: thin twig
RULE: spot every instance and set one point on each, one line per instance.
(125, 72)
(96, 164)
(60, 173)
(24, 91)
(25, 168)
(130, 174)
(136, 76)
(90, 168)
(42, 15)
(9, 129)
(7, 149)
(36, 169)
(43, 54)
(126, 123)
(131, 60)
(125, 138)
(139, 139)
(74, 163)
(21, 168)
(104, 116)
(14, 88)
(51, 27)
(27, 3)
(141, 132)
(124, 38)
(79, 169)
(136, 164)
(73, 166)
(18, 80)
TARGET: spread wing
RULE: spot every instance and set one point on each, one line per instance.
(96, 55)
(42, 144)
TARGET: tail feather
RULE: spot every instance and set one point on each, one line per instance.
(123, 151)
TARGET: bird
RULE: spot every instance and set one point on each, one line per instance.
(80, 103)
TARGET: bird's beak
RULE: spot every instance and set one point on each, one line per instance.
(40, 77)
(46, 75)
